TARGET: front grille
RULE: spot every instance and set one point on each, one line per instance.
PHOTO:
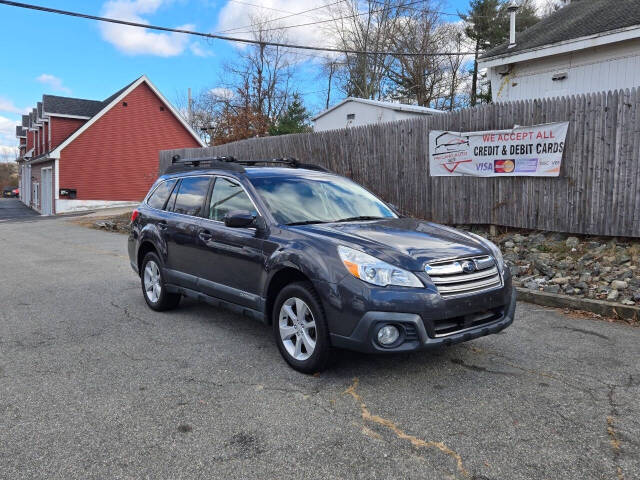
(464, 276)
(449, 326)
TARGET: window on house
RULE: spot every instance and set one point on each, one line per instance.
(351, 116)
(191, 194)
(159, 197)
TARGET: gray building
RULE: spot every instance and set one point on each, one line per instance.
(354, 112)
(588, 46)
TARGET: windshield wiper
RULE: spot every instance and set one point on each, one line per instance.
(305, 222)
(362, 217)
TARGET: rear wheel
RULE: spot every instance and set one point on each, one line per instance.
(153, 285)
(300, 328)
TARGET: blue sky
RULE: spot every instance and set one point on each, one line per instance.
(46, 53)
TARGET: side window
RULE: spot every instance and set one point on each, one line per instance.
(226, 197)
(191, 194)
(160, 195)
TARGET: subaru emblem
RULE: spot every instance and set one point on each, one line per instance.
(468, 266)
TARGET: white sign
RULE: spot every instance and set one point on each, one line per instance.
(523, 151)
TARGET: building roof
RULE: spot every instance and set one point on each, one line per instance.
(20, 132)
(107, 101)
(399, 107)
(25, 121)
(107, 104)
(78, 107)
(581, 18)
(92, 110)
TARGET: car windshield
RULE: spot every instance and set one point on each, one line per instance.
(318, 199)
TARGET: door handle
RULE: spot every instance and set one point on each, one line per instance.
(205, 235)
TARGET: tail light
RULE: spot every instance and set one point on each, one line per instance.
(134, 215)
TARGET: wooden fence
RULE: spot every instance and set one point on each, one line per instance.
(597, 192)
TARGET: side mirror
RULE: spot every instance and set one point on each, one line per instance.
(239, 219)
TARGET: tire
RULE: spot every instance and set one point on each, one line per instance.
(153, 285)
(294, 338)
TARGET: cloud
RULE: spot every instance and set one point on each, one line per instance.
(233, 19)
(54, 83)
(198, 51)
(221, 92)
(8, 141)
(8, 153)
(139, 41)
(7, 127)
(8, 106)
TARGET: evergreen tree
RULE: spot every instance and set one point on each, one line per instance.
(487, 25)
(295, 119)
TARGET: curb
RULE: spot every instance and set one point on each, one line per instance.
(606, 309)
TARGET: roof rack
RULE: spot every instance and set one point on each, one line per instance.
(179, 164)
(289, 161)
(230, 163)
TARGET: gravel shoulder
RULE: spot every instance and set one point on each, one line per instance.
(96, 385)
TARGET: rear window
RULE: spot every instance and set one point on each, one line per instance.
(191, 194)
(160, 195)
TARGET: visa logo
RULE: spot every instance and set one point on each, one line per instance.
(484, 167)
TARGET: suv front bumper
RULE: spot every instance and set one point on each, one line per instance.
(414, 331)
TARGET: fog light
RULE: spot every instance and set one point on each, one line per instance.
(388, 335)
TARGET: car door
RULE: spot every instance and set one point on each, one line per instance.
(156, 213)
(186, 204)
(233, 264)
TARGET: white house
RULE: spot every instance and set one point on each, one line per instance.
(587, 46)
(353, 112)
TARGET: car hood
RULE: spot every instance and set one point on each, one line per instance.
(406, 242)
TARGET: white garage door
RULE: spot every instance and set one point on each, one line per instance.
(47, 191)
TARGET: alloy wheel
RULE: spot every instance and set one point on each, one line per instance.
(152, 285)
(297, 328)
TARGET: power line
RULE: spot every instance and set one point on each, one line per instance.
(400, 7)
(223, 37)
(439, 12)
(353, 15)
(235, 29)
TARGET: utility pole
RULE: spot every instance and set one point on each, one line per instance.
(329, 89)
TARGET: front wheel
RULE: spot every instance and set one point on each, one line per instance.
(300, 328)
(153, 285)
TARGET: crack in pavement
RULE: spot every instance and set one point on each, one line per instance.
(130, 316)
(477, 368)
(507, 361)
(415, 441)
(582, 330)
(613, 434)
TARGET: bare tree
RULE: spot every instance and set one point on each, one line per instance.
(457, 73)
(261, 75)
(419, 78)
(8, 171)
(371, 29)
(252, 93)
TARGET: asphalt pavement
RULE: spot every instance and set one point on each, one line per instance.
(93, 384)
(14, 209)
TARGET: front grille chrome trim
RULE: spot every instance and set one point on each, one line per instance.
(464, 277)
(492, 282)
(450, 280)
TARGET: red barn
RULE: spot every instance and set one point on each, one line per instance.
(80, 154)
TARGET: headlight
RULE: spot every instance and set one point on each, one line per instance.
(372, 270)
(495, 251)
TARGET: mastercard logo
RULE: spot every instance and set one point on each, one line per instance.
(504, 166)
